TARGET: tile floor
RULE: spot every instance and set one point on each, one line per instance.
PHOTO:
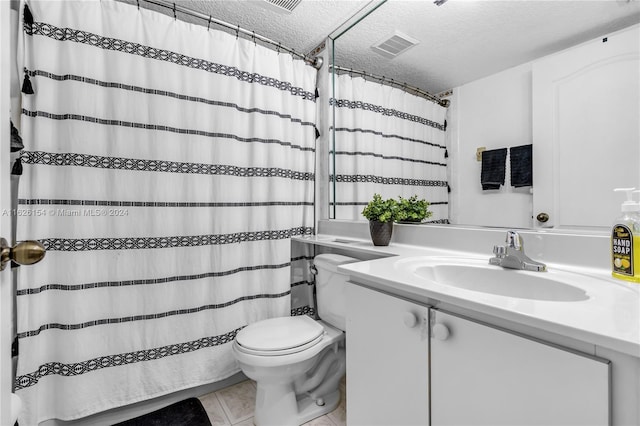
(234, 406)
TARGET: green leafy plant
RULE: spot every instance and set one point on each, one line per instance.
(381, 210)
(412, 209)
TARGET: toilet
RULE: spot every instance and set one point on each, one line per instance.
(297, 362)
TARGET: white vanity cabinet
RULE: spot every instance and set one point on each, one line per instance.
(387, 359)
(481, 375)
(408, 364)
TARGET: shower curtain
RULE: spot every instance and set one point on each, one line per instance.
(389, 142)
(166, 168)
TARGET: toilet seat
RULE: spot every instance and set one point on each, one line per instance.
(280, 336)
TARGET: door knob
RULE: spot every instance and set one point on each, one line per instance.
(542, 217)
(440, 332)
(23, 253)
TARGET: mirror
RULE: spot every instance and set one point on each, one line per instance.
(483, 57)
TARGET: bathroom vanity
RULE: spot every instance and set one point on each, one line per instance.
(469, 371)
(434, 337)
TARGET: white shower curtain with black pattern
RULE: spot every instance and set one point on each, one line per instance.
(390, 142)
(166, 168)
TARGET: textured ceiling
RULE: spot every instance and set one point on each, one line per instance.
(302, 29)
(460, 41)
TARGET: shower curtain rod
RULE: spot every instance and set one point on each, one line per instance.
(391, 82)
(314, 61)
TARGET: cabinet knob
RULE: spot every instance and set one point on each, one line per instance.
(440, 332)
(410, 319)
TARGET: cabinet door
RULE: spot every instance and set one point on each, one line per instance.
(387, 360)
(485, 376)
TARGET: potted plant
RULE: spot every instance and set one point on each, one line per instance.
(412, 210)
(381, 214)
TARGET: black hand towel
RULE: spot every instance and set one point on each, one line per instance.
(521, 165)
(493, 168)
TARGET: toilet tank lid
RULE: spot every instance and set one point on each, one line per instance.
(330, 261)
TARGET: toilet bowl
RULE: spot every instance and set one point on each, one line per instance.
(298, 362)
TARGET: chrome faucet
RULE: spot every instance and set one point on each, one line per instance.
(512, 255)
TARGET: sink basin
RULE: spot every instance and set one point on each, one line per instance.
(485, 278)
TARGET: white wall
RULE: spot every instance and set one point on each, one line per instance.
(494, 112)
(5, 223)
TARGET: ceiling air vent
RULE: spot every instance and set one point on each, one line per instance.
(392, 46)
(282, 6)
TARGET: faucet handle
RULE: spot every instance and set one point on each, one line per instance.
(514, 240)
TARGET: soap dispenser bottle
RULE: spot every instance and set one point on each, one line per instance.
(625, 240)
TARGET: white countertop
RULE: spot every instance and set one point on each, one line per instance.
(366, 246)
(609, 318)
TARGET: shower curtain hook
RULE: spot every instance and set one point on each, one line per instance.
(278, 48)
(138, 4)
(175, 17)
(238, 32)
(254, 37)
(209, 24)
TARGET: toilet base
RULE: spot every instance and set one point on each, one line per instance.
(309, 410)
(276, 405)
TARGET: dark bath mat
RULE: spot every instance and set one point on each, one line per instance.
(189, 412)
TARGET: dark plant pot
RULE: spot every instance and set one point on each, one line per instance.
(380, 232)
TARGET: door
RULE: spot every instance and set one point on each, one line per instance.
(586, 106)
(5, 219)
(482, 375)
(387, 359)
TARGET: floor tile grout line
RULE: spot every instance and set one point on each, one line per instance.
(220, 413)
(224, 411)
(224, 407)
(226, 402)
(331, 420)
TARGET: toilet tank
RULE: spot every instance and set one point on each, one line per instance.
(330, 286)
